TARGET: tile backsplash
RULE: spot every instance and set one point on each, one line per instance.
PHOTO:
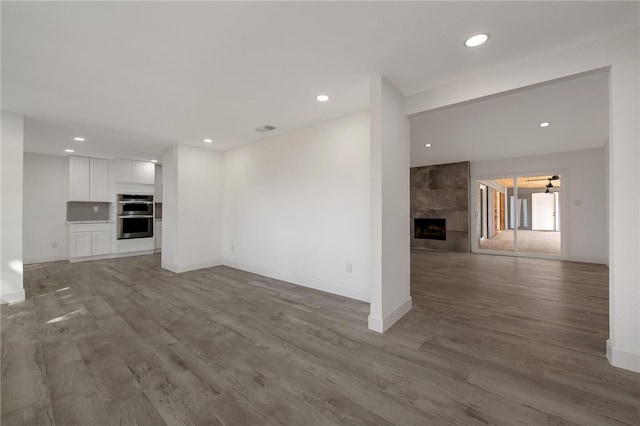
(86, 211)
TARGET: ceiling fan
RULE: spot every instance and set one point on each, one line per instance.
(549, 185)
(554, 177)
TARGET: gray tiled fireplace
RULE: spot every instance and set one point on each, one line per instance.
(440, 207)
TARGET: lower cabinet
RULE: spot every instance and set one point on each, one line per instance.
(89, 239)
(80, 244)
(100, 243)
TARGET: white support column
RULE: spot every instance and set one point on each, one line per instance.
(390, 253)
(623, 346)
(11, 163)
(192, 208)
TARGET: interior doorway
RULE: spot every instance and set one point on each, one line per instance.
(520, 215)
(543, 207)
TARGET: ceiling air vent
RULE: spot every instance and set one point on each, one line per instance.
(266, 128)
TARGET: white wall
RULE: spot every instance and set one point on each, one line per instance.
(620, 53)
(192, 208)
(169, 205)
(46, 183)
(11, 285)
(583, 180)
(296, 206)
(607, 200)
(390, 218)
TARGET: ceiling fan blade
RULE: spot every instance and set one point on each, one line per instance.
(554, 177)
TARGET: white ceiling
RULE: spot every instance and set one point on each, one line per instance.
(136, 77)
(507, 126)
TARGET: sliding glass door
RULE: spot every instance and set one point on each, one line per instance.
(519, 215)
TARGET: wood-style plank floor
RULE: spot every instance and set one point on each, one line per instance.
(490, 340)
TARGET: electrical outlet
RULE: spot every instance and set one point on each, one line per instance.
(95, 209)
(233, 248)
(349, 267)
(54, 244)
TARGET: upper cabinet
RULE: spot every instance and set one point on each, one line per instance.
(88, 179)
(130, 171)
(99, 188)
(145, 172)
(125, 171)
(79, 176)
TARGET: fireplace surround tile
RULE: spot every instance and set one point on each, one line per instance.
(442, 192)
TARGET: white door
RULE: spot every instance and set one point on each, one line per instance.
(80, 244)
(543, 214)
(100, 243)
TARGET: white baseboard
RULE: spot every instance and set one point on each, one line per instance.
(13, 297)
(89, 258)
(44, 260)
(598, 260)
(381, 325)
(622, 359)
(110, 256)
(326, 286)
(178, 269)
(132, 253)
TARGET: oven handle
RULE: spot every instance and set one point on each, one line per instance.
(136, 216)
(135, 202)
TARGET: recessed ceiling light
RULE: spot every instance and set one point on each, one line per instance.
(545, 124)
(154, 161)
(208, 140)
(68, 150)
(322, 98)
(476, 40)
(79, 139)
(428, 145)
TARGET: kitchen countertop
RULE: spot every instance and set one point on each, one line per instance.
(72, 222)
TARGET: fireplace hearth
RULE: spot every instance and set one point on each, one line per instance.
(430, 229)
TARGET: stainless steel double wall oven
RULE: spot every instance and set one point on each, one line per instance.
(135, 216)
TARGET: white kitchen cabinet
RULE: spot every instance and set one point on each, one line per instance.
(125, 171)
(88, 240)
(145, 172)
(79, 172)
(100, 243)
(88, 179)
(135, 245)
(80, 244)
(130, 171)
(99, 181)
